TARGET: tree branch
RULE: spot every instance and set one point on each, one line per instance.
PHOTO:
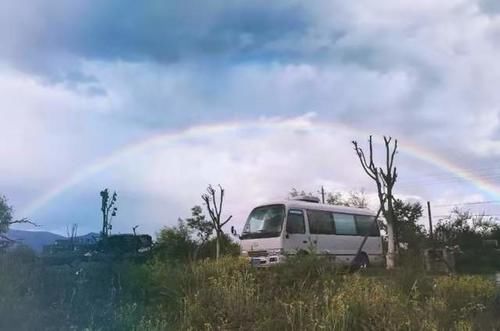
(206, 199)
(370, 144)
(213, 193)
(221, 200)
(362, 159)
(394, 152)
(228, 219)
(2, 236)
(23, 221)
(387, 142)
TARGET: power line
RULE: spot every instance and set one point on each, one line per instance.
(489, 174)
(470, 171)
(468, 203)
(475, 215)
(447, 179)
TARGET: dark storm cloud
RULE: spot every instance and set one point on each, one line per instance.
(49, 37)
(490, 6)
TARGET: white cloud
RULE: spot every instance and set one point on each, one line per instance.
(48, 131)
(422, 71)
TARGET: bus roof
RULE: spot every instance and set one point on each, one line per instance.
(320, 206)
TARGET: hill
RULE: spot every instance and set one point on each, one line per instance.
(34, 239)
(37, 239)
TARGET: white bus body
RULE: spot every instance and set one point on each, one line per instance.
(288, 227)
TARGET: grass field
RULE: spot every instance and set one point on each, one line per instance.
(303, 294)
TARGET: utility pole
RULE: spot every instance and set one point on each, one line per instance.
(430, 218)
(322, 194)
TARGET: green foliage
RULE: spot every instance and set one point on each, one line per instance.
(468, 232)
(481, 260)
(351, 199)
(227, 245)
(175, 243)
(465, 229)
(198, 223)
(408, 232)
(6, 220)
(5, 215)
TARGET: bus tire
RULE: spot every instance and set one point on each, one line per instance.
(361, 262)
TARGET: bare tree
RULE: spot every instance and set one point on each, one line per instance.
(214, 208)
(107, 207)
(71, 234)
(384, 178)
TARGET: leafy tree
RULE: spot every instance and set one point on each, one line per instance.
(408, 231)
(198, 223)
(336, 198)
(357, 199)
(175, 242)
(353, 198)
(297, 193)
(214, 207)
(6, 220)
(465, 229)
(5, 215)
(384, 178)
(469, 231)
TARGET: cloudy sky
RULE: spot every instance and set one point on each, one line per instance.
(159, 99)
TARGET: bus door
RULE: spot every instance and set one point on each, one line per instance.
(296, 239)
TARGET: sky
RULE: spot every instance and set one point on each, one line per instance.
(158, 99)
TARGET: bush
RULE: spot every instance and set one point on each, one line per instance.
(482, 260)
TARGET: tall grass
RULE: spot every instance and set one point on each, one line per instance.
(305, 293)
(312, 295)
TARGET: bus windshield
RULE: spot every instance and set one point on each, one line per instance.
(264, 222)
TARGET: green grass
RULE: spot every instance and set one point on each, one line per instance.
(306, 293)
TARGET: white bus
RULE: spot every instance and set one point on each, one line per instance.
(303, 225)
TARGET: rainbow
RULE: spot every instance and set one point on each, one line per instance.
(305, 122)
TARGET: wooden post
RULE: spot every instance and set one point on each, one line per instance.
(322, 194)
(430, 219)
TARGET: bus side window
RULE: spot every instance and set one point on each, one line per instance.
(320, 222)
(345, 224)
(295, 221)
(365, 226)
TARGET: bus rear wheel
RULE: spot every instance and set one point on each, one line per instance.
(361, 262)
